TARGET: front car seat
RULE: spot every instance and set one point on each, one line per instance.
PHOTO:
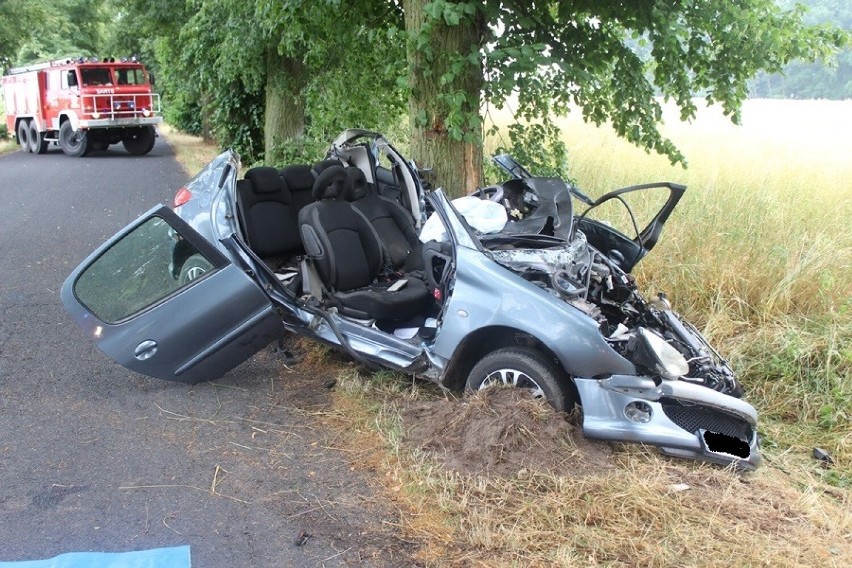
(392, 224)
(348, 256)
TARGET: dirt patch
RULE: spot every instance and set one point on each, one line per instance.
(502, 432)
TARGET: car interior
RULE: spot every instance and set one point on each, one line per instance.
(328, 234)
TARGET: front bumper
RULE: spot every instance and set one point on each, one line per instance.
(120, 122)
(685, 420)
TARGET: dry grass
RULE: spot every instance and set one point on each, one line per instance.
(7, 142)
(192, 152)
(635, 514)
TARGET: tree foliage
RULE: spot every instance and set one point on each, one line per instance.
(326, 59)
(281, 77)
(805, 80)
(613, 61)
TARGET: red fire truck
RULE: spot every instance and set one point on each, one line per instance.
(83, 104)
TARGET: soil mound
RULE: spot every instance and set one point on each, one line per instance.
(502, 431)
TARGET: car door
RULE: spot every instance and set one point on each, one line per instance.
(126, 298)
(623, 250)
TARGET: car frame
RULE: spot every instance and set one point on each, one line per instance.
(492, 321)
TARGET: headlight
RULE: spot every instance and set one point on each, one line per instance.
(662, 357)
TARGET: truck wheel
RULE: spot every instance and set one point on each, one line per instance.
(38, 145)
(24, 135)
(139, 141)
(523, 368)
(74, 143)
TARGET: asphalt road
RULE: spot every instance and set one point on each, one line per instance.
(96, 458)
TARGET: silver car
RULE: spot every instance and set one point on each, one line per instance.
(357, 252)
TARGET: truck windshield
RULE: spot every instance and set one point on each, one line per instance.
(96, 76)
(130, 77)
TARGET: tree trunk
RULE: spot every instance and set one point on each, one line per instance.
(206, 118)
(456, 163)
(284, 117)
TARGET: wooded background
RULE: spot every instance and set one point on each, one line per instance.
(277, 80)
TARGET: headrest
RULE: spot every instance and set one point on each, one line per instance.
(265, 179)
(356, 184)
(321, 166)
(298, 177)
(330, 183)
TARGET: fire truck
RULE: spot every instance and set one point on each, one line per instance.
(82, 104)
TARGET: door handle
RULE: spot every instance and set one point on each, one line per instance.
(145, 350)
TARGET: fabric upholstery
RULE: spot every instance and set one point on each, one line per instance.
(330, 184)
(348, 257)
(300, 182)
(267, 214)
(376, 302)
(322, 165)
(393, 225)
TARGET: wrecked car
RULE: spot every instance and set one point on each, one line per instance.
(353, 251)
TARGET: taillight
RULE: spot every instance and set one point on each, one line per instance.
(182, 196)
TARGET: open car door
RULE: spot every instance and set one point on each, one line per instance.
(126, 298)
(621, 249)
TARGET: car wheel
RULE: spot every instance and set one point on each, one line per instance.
(74, 143)
(525, 368)
(38, 145)
(140, 141)
(194, 268)
(24, 135)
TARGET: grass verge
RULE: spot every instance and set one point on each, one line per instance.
(192, 152)
(7, 142)
(646, 510)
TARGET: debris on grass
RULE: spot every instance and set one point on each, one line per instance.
(504, 432)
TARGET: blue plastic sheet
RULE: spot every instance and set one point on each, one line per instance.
(173, 557)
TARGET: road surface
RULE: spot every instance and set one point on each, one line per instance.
(96, 458)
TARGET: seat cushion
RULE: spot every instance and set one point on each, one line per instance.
(377, 303)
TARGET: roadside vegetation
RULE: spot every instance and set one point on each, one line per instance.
(758, 255)
(7, 143)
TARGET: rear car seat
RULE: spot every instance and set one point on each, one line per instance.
(268, 216)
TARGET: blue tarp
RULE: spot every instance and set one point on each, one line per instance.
(174, 557)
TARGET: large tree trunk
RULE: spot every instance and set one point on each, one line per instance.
(457, 163)
(206, 118)
(284, 117)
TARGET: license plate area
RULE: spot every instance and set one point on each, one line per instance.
(725, 445)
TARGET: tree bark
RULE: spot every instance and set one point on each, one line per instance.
(284, 116)
(457, 164)
(206, 118)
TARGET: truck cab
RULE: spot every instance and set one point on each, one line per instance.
(83, 105)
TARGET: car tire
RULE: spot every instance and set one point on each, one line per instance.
(74, 143)
(526, 368)
(140, 141)
(38, 145)
(194, 268)
(24, 135)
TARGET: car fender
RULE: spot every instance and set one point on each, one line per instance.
(487, 295)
